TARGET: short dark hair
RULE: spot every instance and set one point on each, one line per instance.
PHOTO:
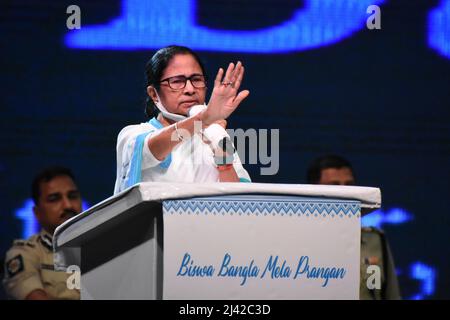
(156, 66)
(325, 162)
(46, 175)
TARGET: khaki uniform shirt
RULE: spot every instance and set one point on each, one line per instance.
(29, 266)
(375, 251)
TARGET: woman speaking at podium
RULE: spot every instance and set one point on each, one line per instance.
(186, 141)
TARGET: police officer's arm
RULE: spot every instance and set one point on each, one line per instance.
(22, 277)
(392, 290)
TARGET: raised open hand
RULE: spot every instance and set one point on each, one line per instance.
(225, 97)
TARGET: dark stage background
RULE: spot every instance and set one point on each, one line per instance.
(381, 98)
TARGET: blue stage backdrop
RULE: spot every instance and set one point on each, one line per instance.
(316, 72)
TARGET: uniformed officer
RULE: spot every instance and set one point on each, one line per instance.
(375, 251)
(29, 269)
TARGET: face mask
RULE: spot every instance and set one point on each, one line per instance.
(177, 117)
(173, 116)
(196, 109)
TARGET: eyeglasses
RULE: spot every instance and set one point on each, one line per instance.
(179, 82)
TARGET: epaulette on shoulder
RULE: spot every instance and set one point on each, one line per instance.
(23, 243)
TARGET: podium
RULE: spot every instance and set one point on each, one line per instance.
(219, 241)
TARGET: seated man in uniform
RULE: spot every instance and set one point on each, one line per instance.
(335, 170)
(29, 271)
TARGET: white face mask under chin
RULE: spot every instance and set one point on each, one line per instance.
(173, 116)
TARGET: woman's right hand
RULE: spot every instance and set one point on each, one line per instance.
(225, 97)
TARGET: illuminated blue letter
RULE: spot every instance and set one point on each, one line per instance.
(155, 24)
(439, 29)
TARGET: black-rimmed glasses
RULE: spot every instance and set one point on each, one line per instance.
(179, 82)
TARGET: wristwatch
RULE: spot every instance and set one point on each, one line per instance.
(224, 154)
